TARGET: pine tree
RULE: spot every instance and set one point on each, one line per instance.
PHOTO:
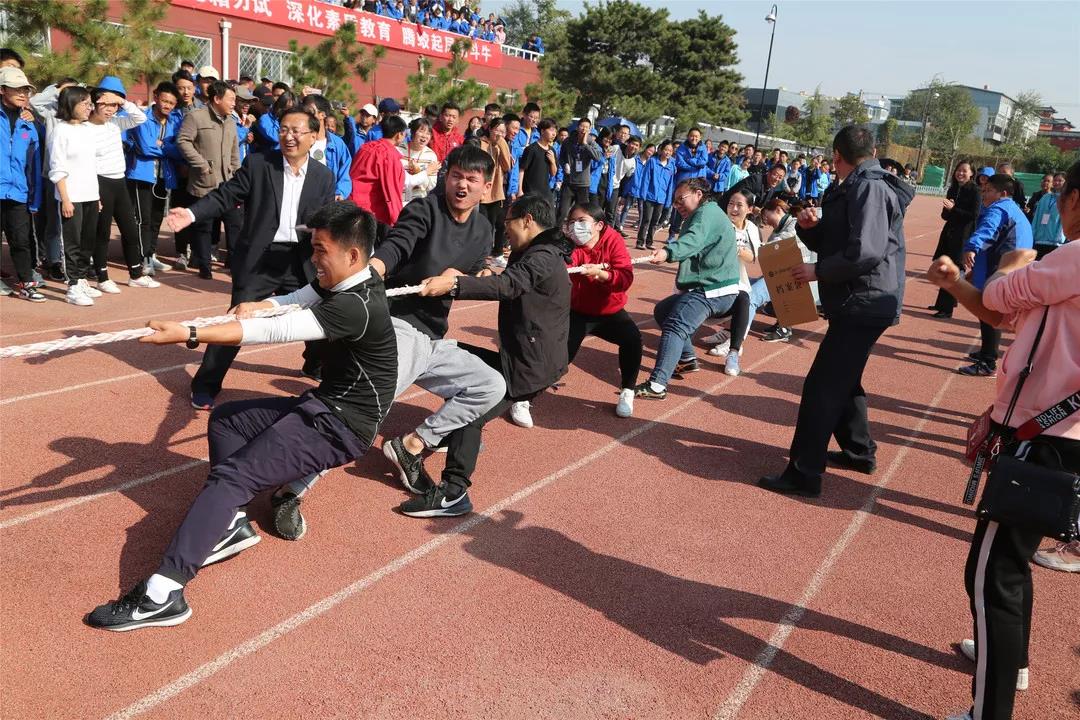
(554, 100)
(850, 110)
(448, 84)
(332, 63)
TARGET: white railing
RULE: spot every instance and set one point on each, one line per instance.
(521, 53)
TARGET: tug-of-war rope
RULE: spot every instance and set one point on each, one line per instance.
(84, 341)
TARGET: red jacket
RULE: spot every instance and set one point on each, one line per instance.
(594, 297)
(378, 180)
(443, 142)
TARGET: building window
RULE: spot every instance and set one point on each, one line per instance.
(204, 53)
(37, 43)
(257, 62)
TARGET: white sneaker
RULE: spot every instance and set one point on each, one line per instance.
(722, 349)
(1063, 556)
(76, 296)
(158, 265)
(144, 282)
(92, 292)
(625, 408)
(967, 649)
(731, 365)
(109, 287)
(520, 414)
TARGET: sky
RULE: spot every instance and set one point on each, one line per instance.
(887, 47)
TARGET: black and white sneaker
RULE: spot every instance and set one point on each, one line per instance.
(436, 503)
(289, 522)
(410, 467)
(238, 536)
(136, 610)
(685, 367)
(778, 333)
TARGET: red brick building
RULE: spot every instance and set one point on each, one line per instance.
(251, 37)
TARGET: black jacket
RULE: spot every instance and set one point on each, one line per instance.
(534, 312)
(258, 186)
(755, 184)
(959, 221)
(860, 246)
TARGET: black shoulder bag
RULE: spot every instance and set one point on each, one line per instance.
(1023, 494)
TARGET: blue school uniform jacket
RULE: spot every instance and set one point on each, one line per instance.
(658, 182)
(266, 131)
(20, 163)
(722, 168)
(691, 164)
(597, 172)
(633, 183)
(143, 152)
(339, 161)
(1002, 228)
(557, 178)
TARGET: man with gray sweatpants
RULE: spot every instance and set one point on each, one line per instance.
(469, 386)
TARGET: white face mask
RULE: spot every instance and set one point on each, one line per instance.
(580, 232)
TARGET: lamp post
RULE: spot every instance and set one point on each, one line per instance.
(771, 19)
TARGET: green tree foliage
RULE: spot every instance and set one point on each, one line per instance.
(332, 63)
(850, 110)
(635, 61)
(554, 100)
(814, 126)
(953, 116)
(887, 132)
(447, 84)
(133, 50)
(523, 18)
(1042, 157)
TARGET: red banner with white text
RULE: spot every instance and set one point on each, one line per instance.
(325, 19)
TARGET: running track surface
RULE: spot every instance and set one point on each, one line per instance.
(613, 569)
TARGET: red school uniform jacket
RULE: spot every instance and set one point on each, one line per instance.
(378, 180)
(443, 142)
(593, 297)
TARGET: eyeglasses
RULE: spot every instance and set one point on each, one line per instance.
(20, 90)
(295, 132)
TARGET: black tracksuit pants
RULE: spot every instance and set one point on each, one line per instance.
(80, 234)
(149, 200)
(15, 223)
(619, 329)
(116, 205)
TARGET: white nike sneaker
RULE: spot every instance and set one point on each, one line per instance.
(967, 649)
(76, 296)
(521, 414)
(625, 407)
(109, 286)
(144, 281)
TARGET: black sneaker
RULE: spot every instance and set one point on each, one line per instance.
(410, 467)
(289, 522)
(312, 371)
(436, 503)
(238, 536)
(843, 460)
(778, 333)
(644, 390)
(56, 272)
(786, 485)
(136, 610)
(685, 367)
(980, 368)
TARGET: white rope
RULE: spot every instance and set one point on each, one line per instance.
(578, 269)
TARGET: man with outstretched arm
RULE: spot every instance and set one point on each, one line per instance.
(259, 444)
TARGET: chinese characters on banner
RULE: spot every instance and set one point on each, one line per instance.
(324, 19)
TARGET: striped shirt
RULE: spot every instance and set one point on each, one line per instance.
(108, 141)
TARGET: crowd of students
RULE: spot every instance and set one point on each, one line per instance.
(462, 19)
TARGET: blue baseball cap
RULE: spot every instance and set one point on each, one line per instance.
(389, 105)
(112, 84)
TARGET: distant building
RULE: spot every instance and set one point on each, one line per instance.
(781, 104)
(995, 112)
(1058, 131)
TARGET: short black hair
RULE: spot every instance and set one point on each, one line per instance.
(217, 89)
(890, 164)
(431, 109)
(185, 63)
(321, 104)
(634, 138)
(391, 125)
(280, 86)
(591, 209)
(418, 123)
(245, 78)
(1003, 183)
(9, 54)
(182, 75)
(1072, 179)
(492, 107)
(585, 120)
(547, 124)
(286, 101)
(449, 106)
(167, 87)
(347, 224)
(470, 158)
(312, 121)
(540, 207)
(511, 117)
(530, 107)
(854, 143)
(69, 98)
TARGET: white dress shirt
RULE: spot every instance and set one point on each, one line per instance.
(290, 201)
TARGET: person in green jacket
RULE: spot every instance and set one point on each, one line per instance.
(707, 281)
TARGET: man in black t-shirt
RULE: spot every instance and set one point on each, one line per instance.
(538, 163)
(259, 444)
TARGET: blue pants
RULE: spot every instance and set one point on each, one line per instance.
(256, 445)
(679, 316)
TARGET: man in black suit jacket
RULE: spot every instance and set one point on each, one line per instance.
(763, 186)
(279, 191)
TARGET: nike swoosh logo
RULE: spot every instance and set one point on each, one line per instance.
(453, 502)
(136, 615)
(225, 542)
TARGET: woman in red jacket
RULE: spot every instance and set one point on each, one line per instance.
(598, 294)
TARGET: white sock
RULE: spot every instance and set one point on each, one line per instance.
(158, 588)
(655, 387)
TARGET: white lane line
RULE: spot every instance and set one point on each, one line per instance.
(112, 321)
(753, 675)
(129, 376)
(75, 502)
(253, 645)
(156, 371)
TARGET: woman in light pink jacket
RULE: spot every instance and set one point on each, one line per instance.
(998, 576)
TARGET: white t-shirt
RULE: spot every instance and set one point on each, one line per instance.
(748, 237)
(419, 184)
(73, 155)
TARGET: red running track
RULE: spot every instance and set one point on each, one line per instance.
(614, 568)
